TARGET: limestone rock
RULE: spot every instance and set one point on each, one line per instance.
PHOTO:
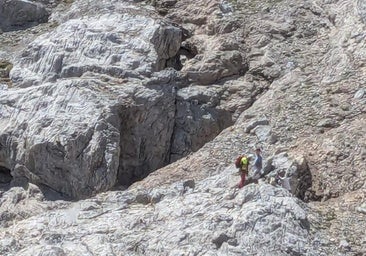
(86, 147)
(99, 137)
(226, 7)
(215, 66)
(362, 208)
(51, 3)
(296, 64)
(198, 119)
(359, 94)
(203, 219)
(328, 123)
(256, 123)
(17, 14)
(294, 168)
(22, 202)
(104, 140)
(127, 50)
(263, 132)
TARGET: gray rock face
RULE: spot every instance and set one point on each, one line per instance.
(19, 203)
(83, 149)
(127, 49)
(123, 115)
(141, 151)
(100, 135)
(294, 168)
(359, 94)
(51, 3)
(207, 218)
(217, 65)
(123, 112)
(17, 14)
(106, 106)
(198, 119)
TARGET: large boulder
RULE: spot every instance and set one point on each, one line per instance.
(305, 62)
(291, 167)
(88, 110)
(77, 137)
(17, 14)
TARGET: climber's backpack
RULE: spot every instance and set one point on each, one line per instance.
(238, 162)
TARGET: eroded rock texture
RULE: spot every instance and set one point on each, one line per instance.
(80, 120)
(205, 219)
(105, 105)
(117, 89)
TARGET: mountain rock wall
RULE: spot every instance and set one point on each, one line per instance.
(96, 101)
(111, 91)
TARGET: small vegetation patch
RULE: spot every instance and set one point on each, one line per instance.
(5, 65)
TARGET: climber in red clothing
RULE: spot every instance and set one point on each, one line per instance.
(242, 163)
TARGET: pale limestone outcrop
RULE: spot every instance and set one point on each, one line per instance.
(130, 48)
(81, 138)
(80, 123)
(118, 132)
(208, 218)
(103, 138)
(302, 66)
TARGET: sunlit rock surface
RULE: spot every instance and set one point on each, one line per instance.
(112, 90)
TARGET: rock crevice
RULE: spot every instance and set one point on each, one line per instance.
(5, 175)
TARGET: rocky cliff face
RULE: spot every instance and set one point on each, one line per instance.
(92, 67)
(206, 218)
(107, 92)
